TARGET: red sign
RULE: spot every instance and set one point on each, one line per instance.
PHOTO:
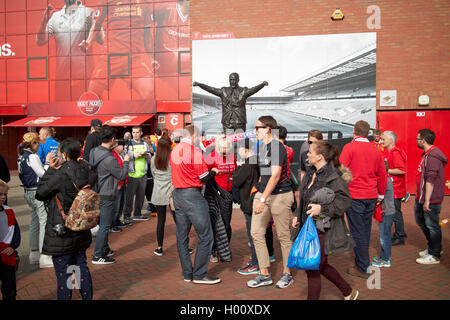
(89, 103)
(174, 121)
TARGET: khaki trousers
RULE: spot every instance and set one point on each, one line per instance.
(279, 207)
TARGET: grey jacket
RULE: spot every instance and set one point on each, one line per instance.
(109, 172)
(388, 205)
(162, 185)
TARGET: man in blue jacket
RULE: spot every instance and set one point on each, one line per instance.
(50, 144)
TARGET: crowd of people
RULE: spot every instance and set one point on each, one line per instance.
(199, 188)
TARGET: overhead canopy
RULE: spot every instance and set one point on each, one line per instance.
(81, 121)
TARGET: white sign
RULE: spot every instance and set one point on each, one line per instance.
(388, 98)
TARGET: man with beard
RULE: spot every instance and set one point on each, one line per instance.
(70, 27)
(430, 182)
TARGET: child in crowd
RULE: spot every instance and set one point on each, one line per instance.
(388, 212)
(9, 242)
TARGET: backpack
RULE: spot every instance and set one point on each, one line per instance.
(85, 210)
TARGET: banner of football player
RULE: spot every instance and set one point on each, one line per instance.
(75, 57)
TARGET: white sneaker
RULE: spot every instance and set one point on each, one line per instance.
(45, 261)
(94, 230)
(428, 259)
(425, 253)
(34, 257)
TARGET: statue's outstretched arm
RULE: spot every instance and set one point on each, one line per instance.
(212, 90)
(254, 90)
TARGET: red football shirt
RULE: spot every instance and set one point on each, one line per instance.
(397, 160)
(187, 166)
(226, 166)
(120, 18)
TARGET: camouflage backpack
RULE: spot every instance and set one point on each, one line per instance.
(85, 210)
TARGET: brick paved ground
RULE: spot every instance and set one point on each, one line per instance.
(139, 274)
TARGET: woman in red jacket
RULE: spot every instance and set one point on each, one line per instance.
(224, 160)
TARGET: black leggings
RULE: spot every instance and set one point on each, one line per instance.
(161, 211)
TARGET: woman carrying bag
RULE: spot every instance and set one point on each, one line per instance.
(329, 218)
(30, 171)
(68, 248)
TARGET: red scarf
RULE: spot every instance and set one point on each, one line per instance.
(5, 243)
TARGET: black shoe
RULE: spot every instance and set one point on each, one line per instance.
(102, 260)
(207, 280)
(120, 224)
(110, 253)
(398, 242)
(127, 222)
(158, 251)
(191, 250)
(406, 197)
(115, 229)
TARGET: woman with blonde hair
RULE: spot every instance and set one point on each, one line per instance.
(30, 171)
(224, 160)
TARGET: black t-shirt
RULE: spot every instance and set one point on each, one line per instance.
(273, 154)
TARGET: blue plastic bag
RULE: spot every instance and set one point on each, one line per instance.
(305, 252)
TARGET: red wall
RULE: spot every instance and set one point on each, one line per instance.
(413, 55)
(406, 125)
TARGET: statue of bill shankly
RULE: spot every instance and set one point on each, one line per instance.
(234, 98)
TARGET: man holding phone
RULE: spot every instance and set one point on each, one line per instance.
(139, 154)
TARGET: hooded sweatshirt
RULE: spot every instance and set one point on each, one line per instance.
(431, 169)
(109, 172)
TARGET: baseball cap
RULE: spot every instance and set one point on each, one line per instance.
(96, 123)
(31, 137)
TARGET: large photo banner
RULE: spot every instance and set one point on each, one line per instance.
(86, 57)
(324, 82)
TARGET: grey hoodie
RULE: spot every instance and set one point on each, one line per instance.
(109, 172)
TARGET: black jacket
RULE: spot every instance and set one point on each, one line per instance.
(4, 171)
(244, 178)
(59, 183)
(92, 140)
(338, 237)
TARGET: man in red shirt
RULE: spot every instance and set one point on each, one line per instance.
(378, 142)
(189, 173)
(396, 159)
(367, 187)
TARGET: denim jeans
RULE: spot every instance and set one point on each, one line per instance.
(248, 224)
(428, 221)
(37, 222)
(63, 273)
(399, 230)
(105, 223)
(118, 205)
(359, 217)
(385, 236)
(191, 209)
